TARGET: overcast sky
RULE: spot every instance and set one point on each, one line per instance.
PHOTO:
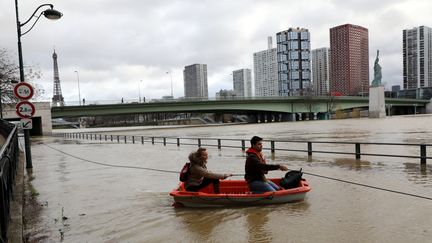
(115, 44)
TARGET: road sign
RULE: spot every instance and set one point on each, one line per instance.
(23, 91)
(26, 123)
(25, 109)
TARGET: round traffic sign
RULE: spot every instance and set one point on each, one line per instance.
(23, 91)
(25, 109)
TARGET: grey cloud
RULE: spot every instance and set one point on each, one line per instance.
(121, 42)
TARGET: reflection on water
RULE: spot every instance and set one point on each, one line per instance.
(107, 204)
(353, 164)
(257, 225)
(201, 223)
(419, 173)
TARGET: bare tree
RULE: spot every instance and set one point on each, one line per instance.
(9, 76)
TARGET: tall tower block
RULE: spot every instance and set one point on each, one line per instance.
(57, 99)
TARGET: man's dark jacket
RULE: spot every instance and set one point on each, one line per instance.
(256, 167)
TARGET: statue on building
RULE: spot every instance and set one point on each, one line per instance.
(377, 72)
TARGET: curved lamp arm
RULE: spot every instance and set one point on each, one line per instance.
(33, 15)
(49, 13)
(34, 23)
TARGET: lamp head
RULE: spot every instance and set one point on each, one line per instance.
(52, 14)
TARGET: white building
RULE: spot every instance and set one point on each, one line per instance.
(266, 72)
(195, 81)
(417, 57)
(242, 82)
(293, 57)
(320, 71)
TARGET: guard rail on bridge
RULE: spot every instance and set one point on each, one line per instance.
(8, 167)
(283, 145)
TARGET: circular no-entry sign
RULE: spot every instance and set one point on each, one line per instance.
(25, 109)
(23, 91)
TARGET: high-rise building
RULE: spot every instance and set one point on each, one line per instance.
(293, 57)
(265, 71)
(242, 82)
(349, 59)
(57, 99)
(417, 57)
(195, 81)
(320, 71)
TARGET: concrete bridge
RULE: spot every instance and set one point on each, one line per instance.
(324, 104)
(258, 107)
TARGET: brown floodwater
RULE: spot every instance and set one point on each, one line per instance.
(82, 199)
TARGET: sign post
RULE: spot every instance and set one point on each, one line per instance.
(24, 109)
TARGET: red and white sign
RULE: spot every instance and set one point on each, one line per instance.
(23, 91)
(25, 109)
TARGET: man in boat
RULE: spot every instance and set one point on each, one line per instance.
(256, 167)
(199, 176)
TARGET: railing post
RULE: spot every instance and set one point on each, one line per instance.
(133, 139)
(178, 142)
(219, 144)
(100, 137)
(423, 154)
(118, 139)
(125, 139)
(142, 140)
(243, 147)
(357, 151)
(199, 142)
(111, 138)
(309, 148)
(105, 137)
(164, 141)
(153, 140)
(86, 136)
(272, 146)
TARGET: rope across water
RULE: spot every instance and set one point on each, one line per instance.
(177, 172)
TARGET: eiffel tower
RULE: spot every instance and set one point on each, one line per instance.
(57, 99)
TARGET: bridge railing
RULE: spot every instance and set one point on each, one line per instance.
(356, 149)
(196, 99)
(8, 167)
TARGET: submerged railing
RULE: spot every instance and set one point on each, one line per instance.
(8, 167)
(273, 145)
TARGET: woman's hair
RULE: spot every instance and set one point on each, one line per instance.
(197, 156)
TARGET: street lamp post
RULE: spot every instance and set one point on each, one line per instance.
(139, 91)
(79, 90)
(49, 13)
(172, 96)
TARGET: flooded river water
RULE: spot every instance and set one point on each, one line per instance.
(80, 198)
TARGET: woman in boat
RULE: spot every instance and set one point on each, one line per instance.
(256, 167)
(199, 176)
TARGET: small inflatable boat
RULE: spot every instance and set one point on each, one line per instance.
(237, 193)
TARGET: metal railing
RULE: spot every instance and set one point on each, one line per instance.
(283, 145)
(9, 153)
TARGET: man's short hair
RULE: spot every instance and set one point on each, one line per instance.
(255, 139)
